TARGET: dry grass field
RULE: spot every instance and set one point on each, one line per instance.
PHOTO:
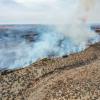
(76, 77)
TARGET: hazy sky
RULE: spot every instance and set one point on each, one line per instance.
(40, 11)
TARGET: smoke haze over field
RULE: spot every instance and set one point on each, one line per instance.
(21, 45)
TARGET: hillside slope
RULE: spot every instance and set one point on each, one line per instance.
(76, 77)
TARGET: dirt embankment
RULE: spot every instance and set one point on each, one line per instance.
(76, 77)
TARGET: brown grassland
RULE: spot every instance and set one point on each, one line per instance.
(76, 77)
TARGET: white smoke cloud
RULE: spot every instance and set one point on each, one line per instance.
(17, 52)
(70, 18)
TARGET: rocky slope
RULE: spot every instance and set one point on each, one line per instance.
(76, 77)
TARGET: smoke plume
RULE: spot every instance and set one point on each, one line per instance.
(21, 45)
